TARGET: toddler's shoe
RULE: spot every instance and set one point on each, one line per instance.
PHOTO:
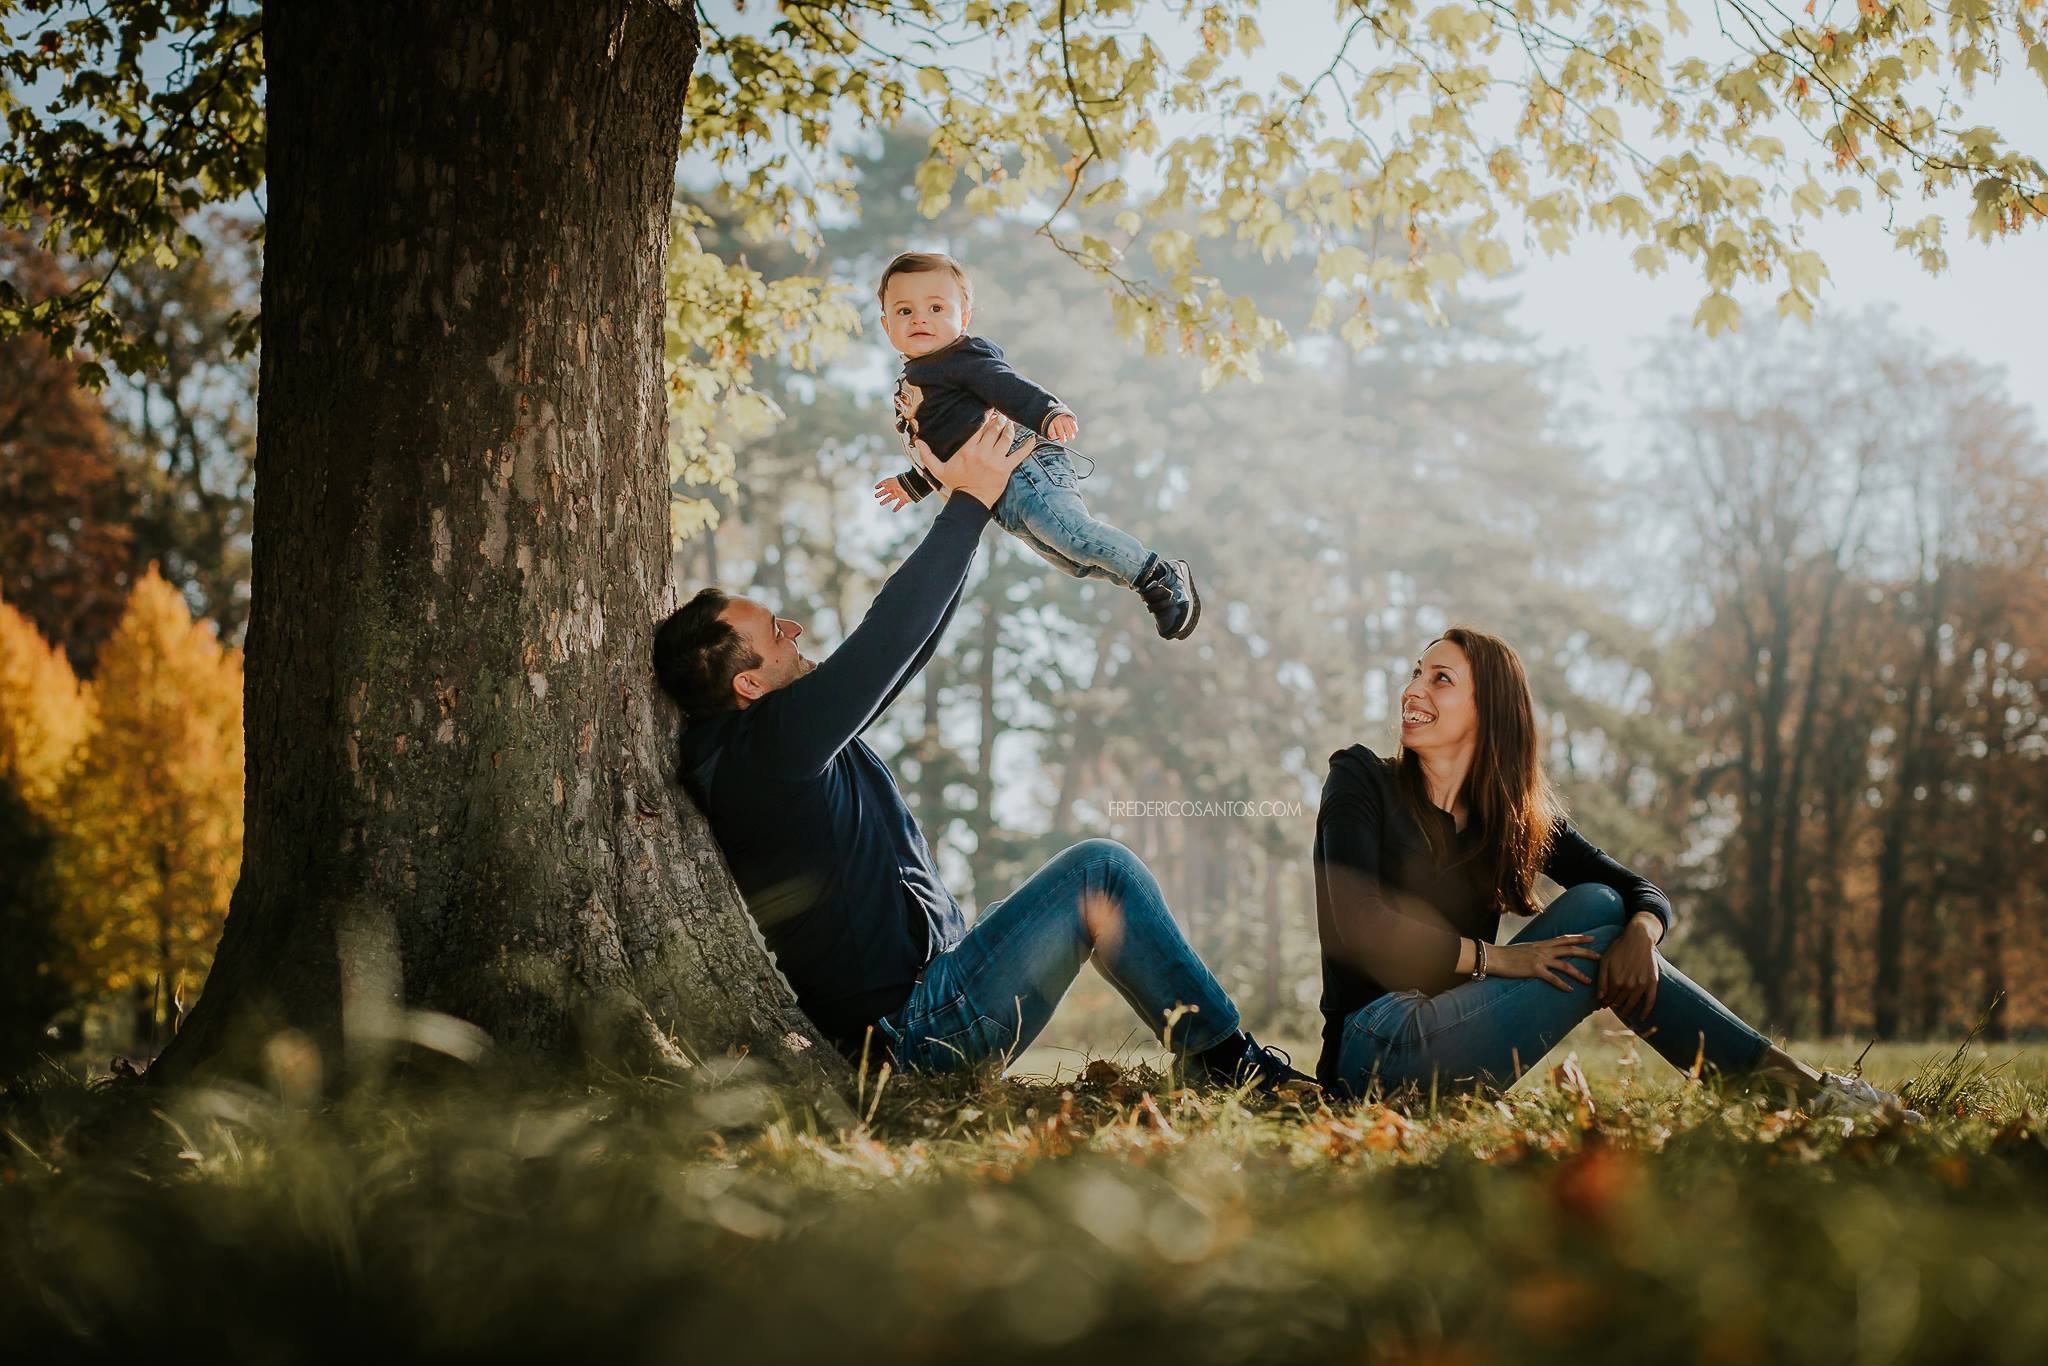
(1168, 588)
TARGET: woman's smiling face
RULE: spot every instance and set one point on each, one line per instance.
(1439, 710)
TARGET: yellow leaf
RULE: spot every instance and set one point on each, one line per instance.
(1793, 304)
(1718, 313)
(1340, 263)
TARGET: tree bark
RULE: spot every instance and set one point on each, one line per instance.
(983, 860)
(460, 797)
(1844, 760)
(1994, 873)
(1913, 763)
(1274, 925)
(1767, 793)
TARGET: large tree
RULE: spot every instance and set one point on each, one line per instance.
(457, 798)
(458, 795)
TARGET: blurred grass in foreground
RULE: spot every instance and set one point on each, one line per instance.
(1601, 1211)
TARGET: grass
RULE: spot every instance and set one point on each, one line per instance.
(1602, 1210)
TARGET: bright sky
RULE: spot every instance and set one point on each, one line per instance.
(1592, 309)
(1592, 305)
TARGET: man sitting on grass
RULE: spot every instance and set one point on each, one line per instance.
(840, 878)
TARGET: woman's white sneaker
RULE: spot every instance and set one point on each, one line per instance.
(1842, 1095)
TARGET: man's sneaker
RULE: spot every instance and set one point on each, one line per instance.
(1842, 1095)
(1243, 1061)
(1168, 588)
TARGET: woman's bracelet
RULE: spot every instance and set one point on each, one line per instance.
(1479, 959)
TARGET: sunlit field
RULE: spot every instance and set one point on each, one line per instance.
(1604, 1209)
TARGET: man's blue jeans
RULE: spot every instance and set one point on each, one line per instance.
(1490, 1032)
(990, 994)
(1041, 507)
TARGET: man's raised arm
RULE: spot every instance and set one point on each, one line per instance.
(800, 727)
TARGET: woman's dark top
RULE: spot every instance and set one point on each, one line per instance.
(1393, 915)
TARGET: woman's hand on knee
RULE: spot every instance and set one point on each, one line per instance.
(1629, 971)
(1548, 959)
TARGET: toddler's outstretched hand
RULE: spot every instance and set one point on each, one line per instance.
(889, 493)
(1065, 427)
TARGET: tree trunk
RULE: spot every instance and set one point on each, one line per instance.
(930, 788)
(1794, 880)
(1767, 795)
(1889, 1005)
(983, 861)
(1274, 918)
(459, 778)
(1083, 739)
(1838, 785)
(1995, 990)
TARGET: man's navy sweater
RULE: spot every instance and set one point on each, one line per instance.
(828, 857)
(949, 392)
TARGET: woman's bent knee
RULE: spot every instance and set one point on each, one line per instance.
(1589, 904)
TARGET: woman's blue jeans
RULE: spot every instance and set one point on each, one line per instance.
(1488, 1033)
(990, 994)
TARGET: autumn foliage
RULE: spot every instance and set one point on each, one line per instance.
(125, 796)
(153, 836)
(43, 713)
(65, 545)
(43, 719)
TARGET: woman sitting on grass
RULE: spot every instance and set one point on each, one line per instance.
(1417, 858)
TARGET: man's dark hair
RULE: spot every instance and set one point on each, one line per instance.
(697, 655)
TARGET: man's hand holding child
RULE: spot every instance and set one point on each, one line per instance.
(982, 467)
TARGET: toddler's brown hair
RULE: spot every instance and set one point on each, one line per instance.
(916, 263)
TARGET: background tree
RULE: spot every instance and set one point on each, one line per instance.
(1768, 454)
(186, 425)
(65, 549)
(1969, 547)
(44, 716)
(152, 833)
(96, 486)
(1859, 540)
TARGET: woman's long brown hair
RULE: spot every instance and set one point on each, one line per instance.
(1506, 793)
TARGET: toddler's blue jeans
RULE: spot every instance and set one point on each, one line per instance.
(1042, 509)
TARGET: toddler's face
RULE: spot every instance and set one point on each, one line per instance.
(922, 312)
